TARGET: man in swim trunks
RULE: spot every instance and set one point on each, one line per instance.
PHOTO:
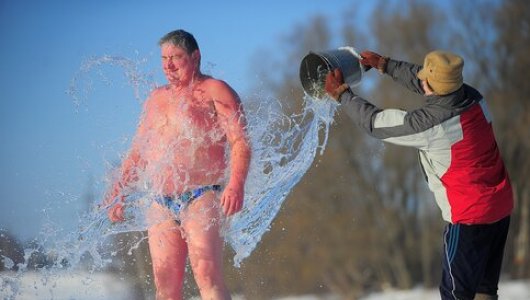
(179, 152)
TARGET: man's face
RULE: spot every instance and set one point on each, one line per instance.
(178, 65)
(426, 88)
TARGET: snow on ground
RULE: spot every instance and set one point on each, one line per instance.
(509, 290)
(310, 297)
(65, 286)
(101, 286)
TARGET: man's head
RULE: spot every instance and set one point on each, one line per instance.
(442, 71)
(182, 39)
(181, 57)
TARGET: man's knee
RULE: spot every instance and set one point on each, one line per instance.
(207, 273)
(479, 296)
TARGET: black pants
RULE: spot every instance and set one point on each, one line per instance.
(472, 259)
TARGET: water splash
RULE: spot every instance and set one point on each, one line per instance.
(82, 83)
(283, 148)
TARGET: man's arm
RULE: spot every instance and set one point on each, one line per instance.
(116, 196)
(128, 174)
(232, 120)
(417, 128)
(390, 125)
(402, 72)
(405, 73)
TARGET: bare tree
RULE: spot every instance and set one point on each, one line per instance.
(513, 112)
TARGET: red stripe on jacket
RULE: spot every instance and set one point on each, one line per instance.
(477, 184)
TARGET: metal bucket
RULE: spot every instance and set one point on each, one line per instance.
(316, 65)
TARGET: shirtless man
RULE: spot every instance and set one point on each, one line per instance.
(179, 153)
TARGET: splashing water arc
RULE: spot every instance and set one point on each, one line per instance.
(283, 149)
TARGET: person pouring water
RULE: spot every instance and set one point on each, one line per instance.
(180, 152)
(459, 156)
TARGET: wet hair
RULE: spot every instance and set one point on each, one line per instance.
(182, 39)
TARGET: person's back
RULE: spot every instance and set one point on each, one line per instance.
(454, 136)
(476, 181)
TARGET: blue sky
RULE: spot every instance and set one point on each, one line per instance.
(51, 148)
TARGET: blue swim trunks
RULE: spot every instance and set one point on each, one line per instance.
(176, 203)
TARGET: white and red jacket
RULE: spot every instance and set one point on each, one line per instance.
(457, 148)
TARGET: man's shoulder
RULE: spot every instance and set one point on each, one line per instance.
(157, 93)
(160, 90)
(219, 89)
(215, 84)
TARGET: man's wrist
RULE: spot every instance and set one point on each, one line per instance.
(237, 181)
(345, 94)
(341, 90)
(382, 64)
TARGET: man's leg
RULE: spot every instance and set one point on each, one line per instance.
(485, 297)
(465, 256)
(487, 289)
(201, 222)
(168, 254)
(472, 259)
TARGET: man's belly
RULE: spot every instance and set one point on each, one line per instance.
(179, 170)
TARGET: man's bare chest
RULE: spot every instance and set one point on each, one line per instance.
(183, 115)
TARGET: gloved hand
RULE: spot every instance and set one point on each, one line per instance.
(373, 60)
(335, 85)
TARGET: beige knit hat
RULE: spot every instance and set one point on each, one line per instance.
(443, 71)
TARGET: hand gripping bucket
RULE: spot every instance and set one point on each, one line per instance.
(316, 65)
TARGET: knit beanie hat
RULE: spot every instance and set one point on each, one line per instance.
(443, 71)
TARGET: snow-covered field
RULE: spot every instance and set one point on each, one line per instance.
(508, 290)
(68, 286)
(81, 286)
